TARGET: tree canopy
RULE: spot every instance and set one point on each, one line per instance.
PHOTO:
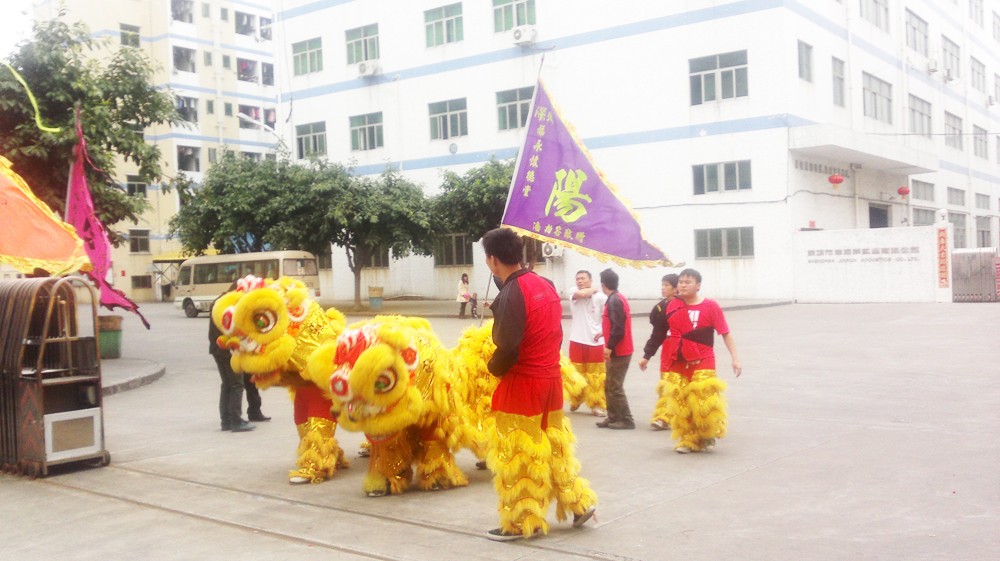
(116, 99)
(473, 203)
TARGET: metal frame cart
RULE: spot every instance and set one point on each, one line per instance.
(51, 407)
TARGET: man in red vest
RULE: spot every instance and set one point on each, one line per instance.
(617, 327)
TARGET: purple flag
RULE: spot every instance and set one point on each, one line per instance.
(558, 196)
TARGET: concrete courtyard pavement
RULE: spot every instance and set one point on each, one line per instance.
(856, 432)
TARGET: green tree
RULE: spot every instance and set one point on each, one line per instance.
(389, 212)
(245, 205)
(116, 99)
(473, 203)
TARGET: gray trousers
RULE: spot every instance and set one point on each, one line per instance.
(614, 388)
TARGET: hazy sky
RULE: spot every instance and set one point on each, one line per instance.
(15, 24)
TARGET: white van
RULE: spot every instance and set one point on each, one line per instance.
(202, 279)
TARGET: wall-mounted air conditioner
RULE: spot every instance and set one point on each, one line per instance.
(367, 68)
(523, 35)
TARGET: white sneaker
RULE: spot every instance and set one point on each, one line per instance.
(708, 444)
(659, 424)
(298, 480)
(682, 450)
(598, 412)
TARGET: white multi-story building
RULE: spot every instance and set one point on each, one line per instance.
(721, 121)
(217, 58)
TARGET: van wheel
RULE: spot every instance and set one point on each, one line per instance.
(189, 309)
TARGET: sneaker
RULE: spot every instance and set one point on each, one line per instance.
(682, 450)
(581, 519)
(364, 452)
(298, 480)
(498, 535)
(659, 424)
(622, 425)
(708, 444)
(258, 418)
(574, 407)
(243, 426)
(603, 424)
(598, 412)
(481, 464)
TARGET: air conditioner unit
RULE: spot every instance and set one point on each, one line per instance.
(551, 250)
(523, 35)
(932, 66)
(368, 68)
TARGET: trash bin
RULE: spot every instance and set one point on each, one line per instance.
(375, 297)
(109, 336)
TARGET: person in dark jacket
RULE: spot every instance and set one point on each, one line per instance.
(531, 448)
(658, 319)
(231, 391)
(617, 327)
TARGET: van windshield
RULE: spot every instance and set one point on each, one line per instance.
(299, 267)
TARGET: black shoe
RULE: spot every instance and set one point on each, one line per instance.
(581, 519)
(604, 424)
(481, 464)
(622, 425)
(243, 426)
(258, 418)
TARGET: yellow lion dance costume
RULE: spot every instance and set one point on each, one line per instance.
(272, 328)
(391, 379)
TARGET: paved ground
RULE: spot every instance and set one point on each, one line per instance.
(856, 432)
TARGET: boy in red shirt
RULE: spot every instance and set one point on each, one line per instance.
(688, 361)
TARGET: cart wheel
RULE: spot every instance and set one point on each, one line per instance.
(105, 459)
(189, 309)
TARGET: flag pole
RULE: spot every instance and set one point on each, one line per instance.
(520, 149)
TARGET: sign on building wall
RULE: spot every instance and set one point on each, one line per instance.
(876, 265)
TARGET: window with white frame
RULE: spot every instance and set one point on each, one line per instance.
(310, 140)
(246, 70)
(182, 10)
(957, 220)
(722, 76)
(142, 281)
(138, 241)
(717, 243)
(976, 12)
(246, 24)
(307, 56)
(448, 119)
(366, 131)
(362, 43)
(267, 73)
(508, 14)
(723, 176)
(977, 74)
(135, 186)
(877, 95)
(980, 142)
(923, 191)
(184, 59)
(443, 25)
(838, 81)
(805, 61)
(916, 33)
(187, 107)
(453, 249)
(923, 217)
(188, 158)
(513, 107)
(129, 35)
(207, 58)
(920, 117)
(952, 130)
(249, 116)
(951, 58)
(982, 201)
(877, 12)
(265, 29)
(984, 231)
(956, 196)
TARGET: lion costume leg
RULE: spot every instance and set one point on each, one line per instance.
(435, 464)
(667, 391)
(319, 455)
(390, 468)
(572, 492)
(520, 458)
(593, 393)
(697, 409)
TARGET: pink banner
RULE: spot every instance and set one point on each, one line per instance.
(80, 213)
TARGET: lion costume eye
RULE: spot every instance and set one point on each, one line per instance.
(385, 382)
(264, 320)
(227, 320)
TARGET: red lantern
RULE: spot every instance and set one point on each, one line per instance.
(835, 180)
(903, 191)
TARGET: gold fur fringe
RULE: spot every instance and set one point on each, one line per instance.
(696, 408)
(319, 454)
